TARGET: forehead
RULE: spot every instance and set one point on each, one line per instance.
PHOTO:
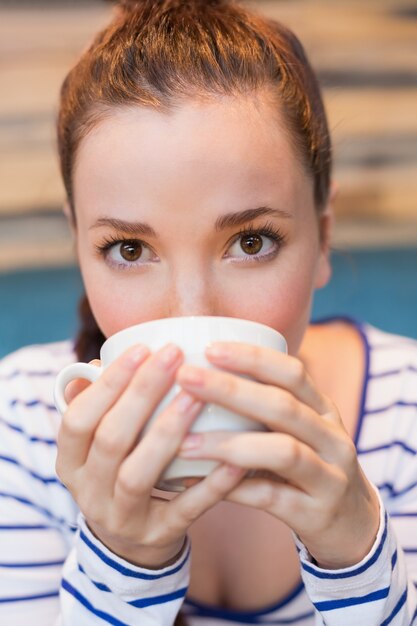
(201, 148)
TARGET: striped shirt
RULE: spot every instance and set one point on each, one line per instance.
(53, 571)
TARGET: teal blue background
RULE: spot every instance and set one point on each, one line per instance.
(379, 286)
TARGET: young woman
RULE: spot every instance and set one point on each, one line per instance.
(196, 159)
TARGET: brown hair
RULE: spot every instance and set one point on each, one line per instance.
(156, 53)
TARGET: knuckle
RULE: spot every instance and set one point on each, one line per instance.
(67, 425)
(231, 384)
(291, 453)
(266, 496)
(297, 373)
(347, 452)
(287, 403)
(106, 443)
(110, 381)
(189, 514)
(128, 485)
(146, 383)
(60, 471)
(254, 357)
(73, 425)
(166, 429)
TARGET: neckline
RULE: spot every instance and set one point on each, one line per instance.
(209, 610)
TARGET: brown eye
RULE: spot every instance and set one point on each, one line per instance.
(251, 244)
(131, 251)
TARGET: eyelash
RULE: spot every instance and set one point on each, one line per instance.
(268, 230)
(110, 241)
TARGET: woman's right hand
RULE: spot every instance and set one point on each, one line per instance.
(111, 474)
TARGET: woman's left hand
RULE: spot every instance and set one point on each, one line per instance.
(308, 473)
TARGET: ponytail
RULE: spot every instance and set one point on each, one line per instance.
(89, 338)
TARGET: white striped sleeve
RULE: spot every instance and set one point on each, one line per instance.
(381, 590)
(375, 592)
(97, 583)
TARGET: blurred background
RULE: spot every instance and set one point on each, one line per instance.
(365, 52)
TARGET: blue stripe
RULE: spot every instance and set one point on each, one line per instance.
(384, 409)
(126, 571)
(168, 597)
(355, 572)
(397, 372)
(400, 492)
(28, 374)
(30, 404)
(27, 527)
(41, 596)
(46, 480)
(32, 565)
(396, 609)
(100, 586)
(388, 446)
(106, 617)
(61, 521)
(144, 602)
(34, 439)
(331, 605)
(394, 559)
(243, 617)
(250, 617)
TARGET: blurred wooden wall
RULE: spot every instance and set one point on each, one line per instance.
(364, 51)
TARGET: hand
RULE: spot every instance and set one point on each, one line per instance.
(309, 475)
(111, 476)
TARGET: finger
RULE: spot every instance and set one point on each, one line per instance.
(271, 367)
(281, 500)
(141, 470)
(119, 430)
(88, 407)
(75, 387)
(275, 408)
(189, 505)
(279, 453)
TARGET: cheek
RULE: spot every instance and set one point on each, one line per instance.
(116, 304)
(280, 299)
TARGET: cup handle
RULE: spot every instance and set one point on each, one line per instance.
(68, 374)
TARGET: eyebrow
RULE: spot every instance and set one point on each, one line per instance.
(130, 228)
(228, 220)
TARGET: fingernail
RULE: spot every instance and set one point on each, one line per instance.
(168, 355)
(191, 376)
(136, 355)
(218, 351)
(234, 470)
(191, 443)
(187, 404)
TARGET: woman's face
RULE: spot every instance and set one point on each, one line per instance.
(205, 210)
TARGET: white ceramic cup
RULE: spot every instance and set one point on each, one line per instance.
(192, 335)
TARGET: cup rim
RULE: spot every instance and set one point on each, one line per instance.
(190, 318)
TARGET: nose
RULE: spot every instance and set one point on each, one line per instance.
(192, 293)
